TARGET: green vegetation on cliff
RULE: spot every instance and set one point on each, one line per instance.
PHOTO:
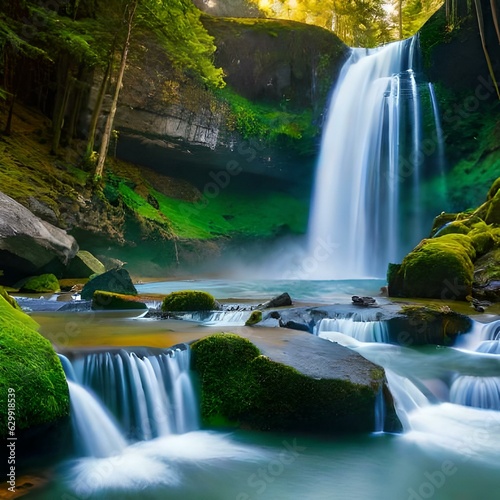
(30, 369)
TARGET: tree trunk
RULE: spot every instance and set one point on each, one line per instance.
(98, 107)
(62, 96)
(400, 12)
(103, 151)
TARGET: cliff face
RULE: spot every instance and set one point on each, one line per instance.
(455, 62)
(283, 70)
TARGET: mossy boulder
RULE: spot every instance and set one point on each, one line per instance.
(255, 317)
(45, 283)
(437, 268)
(30, 369)
(430, 324)
(84, 265)
(109, 300)
(9, 299)
(241, 387)
(116, 281)
(487, 276)
(189, 300)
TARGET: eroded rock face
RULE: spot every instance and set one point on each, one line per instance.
(29, 245)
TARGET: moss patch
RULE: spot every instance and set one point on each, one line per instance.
(109, 300)
(42, 284)
(189, 300)
(242, 387)
(29, 366)
(255, 317)
(437, 268)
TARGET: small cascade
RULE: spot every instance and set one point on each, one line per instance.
(368, 200)
(150, 395)
(479, 392)
(218, 318)
(380, 411)
(364, 331)
(96, 434)
(480, 332)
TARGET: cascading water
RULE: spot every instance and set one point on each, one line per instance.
(149, 395)
(368, 203)
(364, 331)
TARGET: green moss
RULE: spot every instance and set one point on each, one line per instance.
(9, 299)
(30, 367)
(487, 268)
(189, 300)
(245, 388)
(109, 300)
(255, 317)
(84, 265)
(42, 284)
(437, 268)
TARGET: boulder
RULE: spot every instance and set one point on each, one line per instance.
(30, 246)
(282, 300)
(439, 268)
(117, 281)
(487, 277)
(297, 382)
(189, 300)
(84, 265)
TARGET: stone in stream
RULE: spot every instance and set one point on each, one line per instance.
(290, 381)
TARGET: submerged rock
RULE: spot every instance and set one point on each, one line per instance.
(30, 246)
(298, 382)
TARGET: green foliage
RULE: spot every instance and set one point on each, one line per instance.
(29, 365)
(264, 121)
(189, 300)
(42, 284)
(241, 387)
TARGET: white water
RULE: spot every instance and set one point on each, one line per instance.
(444, 397)
(218, 318)
(364, 331)
(367, 199)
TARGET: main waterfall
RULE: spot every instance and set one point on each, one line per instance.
(382, 139)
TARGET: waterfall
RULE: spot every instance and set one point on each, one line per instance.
(364, 331)
(96, 434)
(367, 201)
(139, 395)
(218, 318)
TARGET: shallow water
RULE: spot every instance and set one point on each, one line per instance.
(447, 452)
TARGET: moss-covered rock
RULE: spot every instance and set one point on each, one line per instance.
(116, 281)
(109, 300)
(437, 268)
(255, 317)
(9, 299)
(430, 324)
(487, 276)
(84, 265)
(241, 387)
(30, 369)
(189, 300)
(44, 283)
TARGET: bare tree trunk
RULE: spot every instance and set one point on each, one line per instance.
(495, 18)
(97, 108)
(103, 151)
